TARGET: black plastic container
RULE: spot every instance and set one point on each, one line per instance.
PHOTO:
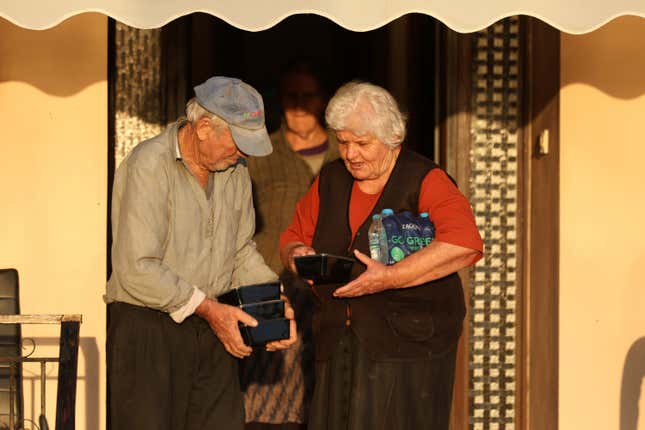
(252, 294)
(265, 310)
(266, 331)
(262, 302)
(324, 268)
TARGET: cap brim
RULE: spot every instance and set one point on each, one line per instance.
(255, 143)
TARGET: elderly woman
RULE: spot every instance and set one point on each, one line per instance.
(386, 341)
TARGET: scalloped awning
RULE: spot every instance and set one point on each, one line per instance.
(571, 16)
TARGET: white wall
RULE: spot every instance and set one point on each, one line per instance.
(53, 186)
(602, 245)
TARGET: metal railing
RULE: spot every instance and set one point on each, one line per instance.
(67, 369)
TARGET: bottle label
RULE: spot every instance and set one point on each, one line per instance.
(397, 254)
(406, 234)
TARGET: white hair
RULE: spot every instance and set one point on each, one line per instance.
(378, 112)
(195, 112)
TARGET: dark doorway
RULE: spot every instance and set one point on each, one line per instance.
(433, 72)
(399, 56)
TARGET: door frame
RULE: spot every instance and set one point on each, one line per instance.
(539, 192)
(536, 395)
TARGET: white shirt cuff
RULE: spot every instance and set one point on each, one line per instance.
(189, 308)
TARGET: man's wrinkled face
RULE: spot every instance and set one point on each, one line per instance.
(218, 151)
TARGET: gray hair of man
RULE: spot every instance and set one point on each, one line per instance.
(378, 112)
(195, 112)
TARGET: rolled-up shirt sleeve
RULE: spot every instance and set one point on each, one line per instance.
(249, 267)
(188, 309)
(141, 206)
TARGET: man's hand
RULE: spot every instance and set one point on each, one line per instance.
(375, 279)
(293, 334)
(223, 321)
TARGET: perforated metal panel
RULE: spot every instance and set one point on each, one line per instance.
(138, 110)
(493, 187)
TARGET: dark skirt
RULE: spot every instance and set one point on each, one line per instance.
(354, 392)
(278, 385)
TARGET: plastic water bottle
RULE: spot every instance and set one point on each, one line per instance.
(386, 212)
(377, 240)
(427, 228)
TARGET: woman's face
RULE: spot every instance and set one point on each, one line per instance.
(365, 157)
(302, 101)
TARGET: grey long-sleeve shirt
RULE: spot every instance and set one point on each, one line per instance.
(168, 234)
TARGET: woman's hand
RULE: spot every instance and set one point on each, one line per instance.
(435, 261)
(298, 250)
(378, 277)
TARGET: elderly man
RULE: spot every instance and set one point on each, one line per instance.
(183, 223)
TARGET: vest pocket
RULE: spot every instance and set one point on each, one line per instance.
(409, 323)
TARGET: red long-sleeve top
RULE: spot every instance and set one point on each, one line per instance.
(447, 207)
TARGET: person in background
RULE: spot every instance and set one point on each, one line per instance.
(385, 342)
(183, 224)
(278, 384)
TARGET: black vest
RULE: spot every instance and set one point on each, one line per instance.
(399, 324)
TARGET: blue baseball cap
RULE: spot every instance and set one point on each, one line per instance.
(241, 106)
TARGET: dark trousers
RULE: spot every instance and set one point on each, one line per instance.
(164, 375)
(355, 392)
